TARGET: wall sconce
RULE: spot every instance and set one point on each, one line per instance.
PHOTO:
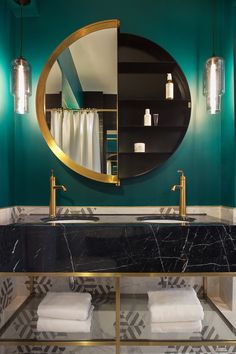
(214, 83)
(21, 73)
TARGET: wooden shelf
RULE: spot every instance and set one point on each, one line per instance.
(152, 101)
(145, 153)
(145, 127)
(146, 68)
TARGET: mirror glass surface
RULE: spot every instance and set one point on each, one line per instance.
(81, 101)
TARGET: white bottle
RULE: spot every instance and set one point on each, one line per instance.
(147, 117)
(169, 87)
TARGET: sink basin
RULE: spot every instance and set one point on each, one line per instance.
(165, 219)
(71, 219)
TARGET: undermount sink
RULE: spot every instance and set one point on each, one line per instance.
(165, 219)
(71, 219)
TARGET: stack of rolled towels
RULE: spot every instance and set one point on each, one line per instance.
(175, 311)
(65, 312)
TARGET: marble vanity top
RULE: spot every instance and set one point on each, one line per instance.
(118, 243)
(195, 219)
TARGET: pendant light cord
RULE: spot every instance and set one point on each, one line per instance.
(21, 30)
(213, 26)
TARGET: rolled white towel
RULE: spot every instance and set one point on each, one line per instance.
(176, 327)
(175, 305)
(46, 324)
(65, 305)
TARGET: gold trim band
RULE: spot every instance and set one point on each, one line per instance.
(118, 274)
(177, 343)
(69, 343)
(93, 343)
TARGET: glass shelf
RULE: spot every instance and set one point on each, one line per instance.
(62, 349)
(175, 350)
(136, 323)
(23, 324)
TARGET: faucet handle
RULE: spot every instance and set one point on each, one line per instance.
(181, 172)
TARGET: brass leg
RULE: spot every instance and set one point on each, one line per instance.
(31, 284)
(204, 287)
(118, 315)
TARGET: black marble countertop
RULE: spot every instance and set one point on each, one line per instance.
(118, 243)
(196, 219)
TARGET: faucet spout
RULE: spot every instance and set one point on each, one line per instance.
(174, 187)
(63, 188)
(52, 202)
(182, 193)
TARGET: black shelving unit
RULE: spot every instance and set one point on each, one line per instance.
(142, 72)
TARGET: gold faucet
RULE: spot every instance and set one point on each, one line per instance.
(52, 202)
(182, 193)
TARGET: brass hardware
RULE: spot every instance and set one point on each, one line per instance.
(118, 306)
(59, 343)
(31, 284)
(126, 343)
(204, 287)
(119, 274)
(182, 193)
(53, 188)
(163, 343)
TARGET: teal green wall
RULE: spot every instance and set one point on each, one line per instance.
(6, 115)
(228, 117)
(183, 28)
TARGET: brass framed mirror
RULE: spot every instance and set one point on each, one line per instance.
(77, 97)
(91, 99)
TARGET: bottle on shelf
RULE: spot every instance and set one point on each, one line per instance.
(147, 117)
(155, 119)
(139, 147)
(169, 87)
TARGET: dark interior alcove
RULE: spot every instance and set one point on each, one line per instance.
(142, 74)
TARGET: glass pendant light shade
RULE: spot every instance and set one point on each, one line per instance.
(214, 83)
(21, 72)
(21, 84)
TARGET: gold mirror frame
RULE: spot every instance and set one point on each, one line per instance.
(40, 102)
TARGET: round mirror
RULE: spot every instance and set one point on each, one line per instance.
(91, 75)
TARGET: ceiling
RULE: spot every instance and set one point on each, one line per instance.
(95, 60)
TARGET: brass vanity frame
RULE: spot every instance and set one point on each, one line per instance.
(117, 342)
(40, 102)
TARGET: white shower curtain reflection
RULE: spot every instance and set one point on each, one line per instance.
(67, 132)
(77, 134)
(56, 126)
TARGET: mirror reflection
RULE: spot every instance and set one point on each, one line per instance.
(81, 101)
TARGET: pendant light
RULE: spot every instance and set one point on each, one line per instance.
(214, 77)
(21, 73)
